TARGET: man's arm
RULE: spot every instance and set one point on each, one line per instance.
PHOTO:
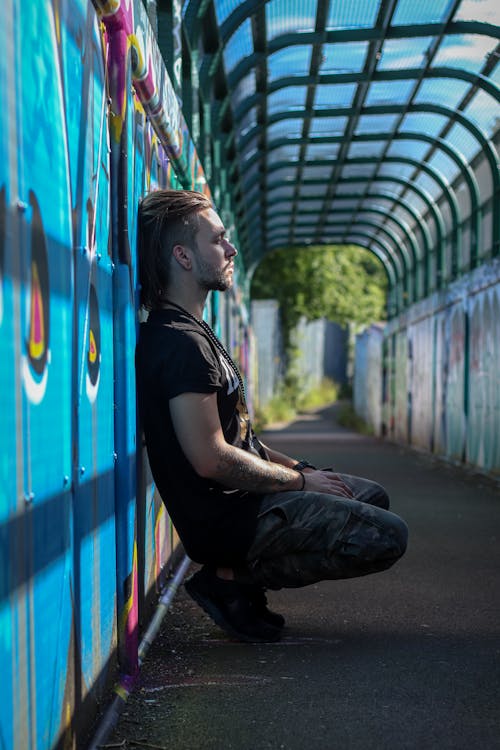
(197, 426)
(279, 458)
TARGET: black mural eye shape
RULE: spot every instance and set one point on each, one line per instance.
(37, 345)
(94, 337)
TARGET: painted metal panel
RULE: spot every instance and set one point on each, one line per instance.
(440, 375)
(456, 358)
(45, 328)
(483, 431)
(453, 394)
(94, 524)
(402, 406)
(367, 387)
(67, 334)
(265, 321)
(421, 386)
(309, 337)
(12, 609)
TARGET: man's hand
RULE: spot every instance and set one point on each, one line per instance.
(326, 481)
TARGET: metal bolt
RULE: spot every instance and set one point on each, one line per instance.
(65, 480)
(22, 205)
(82, 470)
(29, 497)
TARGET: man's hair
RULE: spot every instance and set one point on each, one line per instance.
(166, 218)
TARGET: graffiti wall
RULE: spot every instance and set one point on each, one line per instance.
(367, 384)
(441, 372)
(90, 122)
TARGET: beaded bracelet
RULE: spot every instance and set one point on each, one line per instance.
(303, 479)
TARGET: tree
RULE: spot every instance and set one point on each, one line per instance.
(344, 284)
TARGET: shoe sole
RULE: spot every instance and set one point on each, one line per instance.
(212, 611)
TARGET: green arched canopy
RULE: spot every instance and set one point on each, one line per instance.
(368, 119)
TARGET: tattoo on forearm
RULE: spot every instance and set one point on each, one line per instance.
(247, 473)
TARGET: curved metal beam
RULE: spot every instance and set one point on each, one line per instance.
(452, 115)
(390, 261)
(246, 9)
(212, 62)
(353, 196)
(399, 246)
(446, 191)
(383, 256)
(325, 79)
(454, 155)
(425, 197)
(395, 297)
(196, 10)
(431, 171)
(419, 219)
(392, 253)
(393, 303)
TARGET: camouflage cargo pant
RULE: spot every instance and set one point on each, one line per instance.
(305, 537)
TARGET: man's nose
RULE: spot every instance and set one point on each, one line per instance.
(230, 249)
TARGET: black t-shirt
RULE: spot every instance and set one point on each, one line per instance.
(174, 355)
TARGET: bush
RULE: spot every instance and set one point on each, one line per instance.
(347, 417)
(285, 405)
(278, 409)
(325, 393)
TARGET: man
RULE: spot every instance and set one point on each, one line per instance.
(254, 518)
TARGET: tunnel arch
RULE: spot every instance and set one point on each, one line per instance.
(231, 43)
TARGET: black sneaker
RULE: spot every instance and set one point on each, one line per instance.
(257, 596)
(227, 605)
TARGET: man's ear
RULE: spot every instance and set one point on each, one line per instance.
(182, 256)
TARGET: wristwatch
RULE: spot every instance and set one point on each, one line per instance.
(303, 464)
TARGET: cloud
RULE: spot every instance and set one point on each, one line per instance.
(478, 10)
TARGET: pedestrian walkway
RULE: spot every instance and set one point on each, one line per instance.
(409, 658)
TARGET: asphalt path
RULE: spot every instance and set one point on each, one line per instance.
(405, 659)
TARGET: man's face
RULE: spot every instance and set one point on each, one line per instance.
(213, 254)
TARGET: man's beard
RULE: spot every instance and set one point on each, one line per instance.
(211, 280)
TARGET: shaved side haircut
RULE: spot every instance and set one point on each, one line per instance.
(166, 218)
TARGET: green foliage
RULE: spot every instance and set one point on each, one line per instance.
(347, 417)
(325, 393)
(278, 409)
(292, 399)
(341, 283)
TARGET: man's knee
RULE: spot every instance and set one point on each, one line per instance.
(401, 534)
(393, 537)
(381, 498)
(367, 491)
(373, 534)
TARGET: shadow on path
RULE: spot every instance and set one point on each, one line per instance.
(409, 658)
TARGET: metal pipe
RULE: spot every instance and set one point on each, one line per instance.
(127, 682)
